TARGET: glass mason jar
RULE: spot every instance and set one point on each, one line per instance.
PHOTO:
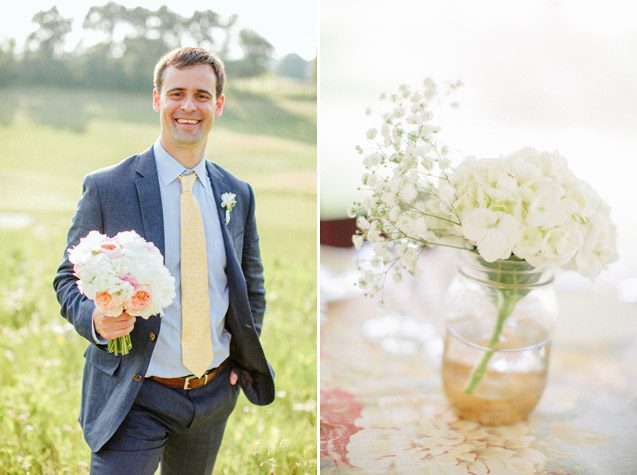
(499, 320)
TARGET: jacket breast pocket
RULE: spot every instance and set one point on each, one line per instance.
(103, 360)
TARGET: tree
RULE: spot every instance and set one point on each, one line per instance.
(98, 67)
(227, 27)
(257, 54)
(137, 18)
(134, 39)
(293, 66)
(209, 31)
(7, 62)
(105, 19)
(167, 26)
(201, 26)
(44, 60)
(48, 40)
(137, 63)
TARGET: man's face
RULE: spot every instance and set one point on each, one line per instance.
(187, 105)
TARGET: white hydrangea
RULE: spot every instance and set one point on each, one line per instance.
(529, 204)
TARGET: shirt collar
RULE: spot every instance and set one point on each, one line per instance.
(168, 168)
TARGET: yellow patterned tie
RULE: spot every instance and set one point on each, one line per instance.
(196, 345)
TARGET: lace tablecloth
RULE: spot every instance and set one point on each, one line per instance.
(383, 409)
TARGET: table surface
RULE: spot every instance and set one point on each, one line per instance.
(382, 405)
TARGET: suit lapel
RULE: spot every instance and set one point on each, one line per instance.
(147, 184)
(219, 186)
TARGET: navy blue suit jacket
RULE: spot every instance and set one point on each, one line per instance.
(127, 197)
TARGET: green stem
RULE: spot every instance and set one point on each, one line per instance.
(505, 303)
(120, 346)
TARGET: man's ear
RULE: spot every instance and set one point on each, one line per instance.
(156, 99)
(221, 100)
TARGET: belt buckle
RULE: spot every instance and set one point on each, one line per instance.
(189, 378)
(186, 381)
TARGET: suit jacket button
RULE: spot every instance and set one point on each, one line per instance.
(152, 336)
(138, 377)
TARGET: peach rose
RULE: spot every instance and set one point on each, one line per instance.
(140, 300)
(109, 305)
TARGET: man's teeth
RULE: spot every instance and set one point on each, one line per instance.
(187, 121)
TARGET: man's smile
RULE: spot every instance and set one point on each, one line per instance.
(187, 121)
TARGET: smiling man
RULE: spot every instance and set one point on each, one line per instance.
(169, 399)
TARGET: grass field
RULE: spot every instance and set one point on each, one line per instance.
(50, 138)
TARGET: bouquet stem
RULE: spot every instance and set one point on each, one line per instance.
(120, 346)
(505, 303)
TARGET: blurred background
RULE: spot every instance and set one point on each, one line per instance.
(554, 75)
(76, 83)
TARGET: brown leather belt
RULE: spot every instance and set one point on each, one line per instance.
(191, 382)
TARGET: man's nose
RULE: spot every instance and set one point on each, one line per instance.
(188, 103)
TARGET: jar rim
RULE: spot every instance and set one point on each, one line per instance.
(503, 273)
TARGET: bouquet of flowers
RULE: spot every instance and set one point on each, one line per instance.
(122, 273)
(527, 206)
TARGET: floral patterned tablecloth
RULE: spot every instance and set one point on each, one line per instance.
(384, 411)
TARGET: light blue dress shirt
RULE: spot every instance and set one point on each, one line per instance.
(166, 358)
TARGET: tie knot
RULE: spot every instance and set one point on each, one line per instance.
(187, 181)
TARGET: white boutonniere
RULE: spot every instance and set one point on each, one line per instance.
(228, 200)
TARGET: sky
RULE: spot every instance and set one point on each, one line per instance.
(289, 25)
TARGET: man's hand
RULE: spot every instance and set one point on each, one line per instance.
(233, 378)
(113, 327)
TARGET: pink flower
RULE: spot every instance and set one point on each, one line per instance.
(140, 300)
(131, 280)
(110, 305)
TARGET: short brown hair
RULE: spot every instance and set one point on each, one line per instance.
(182, 58)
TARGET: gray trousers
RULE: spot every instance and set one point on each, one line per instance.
(181, 429)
